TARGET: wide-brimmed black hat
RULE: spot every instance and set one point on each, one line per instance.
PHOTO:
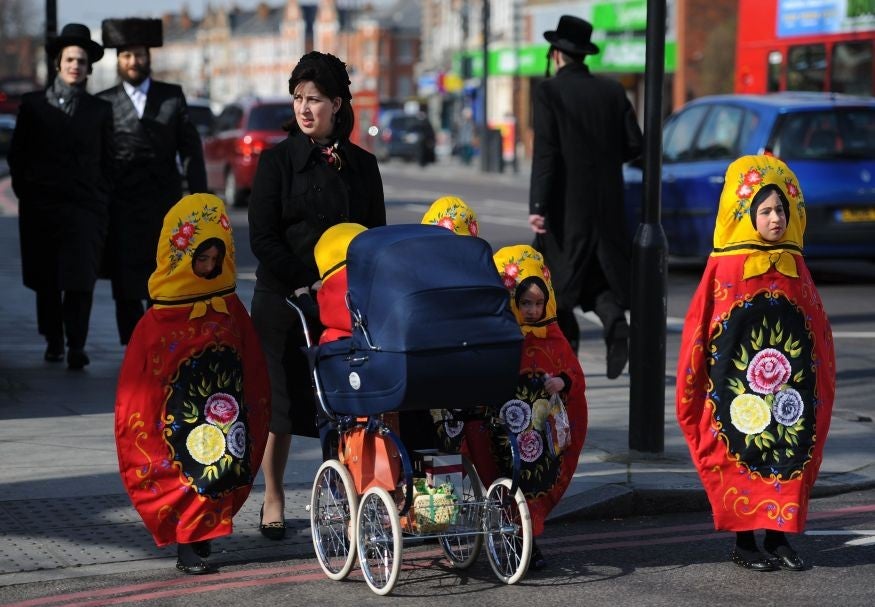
(572, 36)
(119, 33)
(75, 34)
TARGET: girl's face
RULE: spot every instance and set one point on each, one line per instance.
(205, 262)
(531, 304)
(314, 112)
(73, 65)
(771, 221)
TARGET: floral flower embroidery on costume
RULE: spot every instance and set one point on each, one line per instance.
(453, 214)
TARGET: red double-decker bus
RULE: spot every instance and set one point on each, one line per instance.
(805, 45)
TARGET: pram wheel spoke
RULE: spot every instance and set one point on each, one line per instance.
(333, 507)
(509, 531)
(379, 540)
(463, 547)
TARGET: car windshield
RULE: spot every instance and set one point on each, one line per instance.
(269, 117)
(825, 134)
(408, 123)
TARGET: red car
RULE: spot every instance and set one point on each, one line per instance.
(11, 90)
(242, 131)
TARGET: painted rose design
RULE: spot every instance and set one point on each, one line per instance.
(179, 242)
(447, 222)
(768, 371)
(749, 413)
(206, 444)
(531, 445)
(221, 409)
(752, 177)
(516, 414)
(237, 440)
(473, 228)
(787, 406)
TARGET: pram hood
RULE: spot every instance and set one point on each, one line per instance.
(421, 287)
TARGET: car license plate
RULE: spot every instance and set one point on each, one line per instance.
(856, 215)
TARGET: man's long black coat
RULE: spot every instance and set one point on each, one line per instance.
(585, 128)
(60, 166)
(147, 181)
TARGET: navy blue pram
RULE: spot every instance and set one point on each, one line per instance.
(432, 326)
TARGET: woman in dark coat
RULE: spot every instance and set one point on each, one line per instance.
(59, 161)
(311, 181)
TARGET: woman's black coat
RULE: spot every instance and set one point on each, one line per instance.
(60, 166)
(296, 197)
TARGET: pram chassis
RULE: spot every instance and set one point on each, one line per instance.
(498, 515)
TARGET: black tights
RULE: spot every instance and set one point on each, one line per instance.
(745, 540)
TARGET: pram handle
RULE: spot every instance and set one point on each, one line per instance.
(317, 385)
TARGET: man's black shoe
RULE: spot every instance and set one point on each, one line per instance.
(618, 355)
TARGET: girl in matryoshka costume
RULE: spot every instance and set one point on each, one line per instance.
(548, 412)
(756, 369)
(193, 400)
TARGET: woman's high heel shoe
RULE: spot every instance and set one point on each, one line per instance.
(272, 531)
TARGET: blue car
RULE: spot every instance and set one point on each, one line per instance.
(827, 139)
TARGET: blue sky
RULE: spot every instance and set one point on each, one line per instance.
(94, 11)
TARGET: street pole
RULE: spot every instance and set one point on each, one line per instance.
(485, 148)
(649, 264)
(51, 32)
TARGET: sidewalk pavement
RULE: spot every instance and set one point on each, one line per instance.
(64, 512)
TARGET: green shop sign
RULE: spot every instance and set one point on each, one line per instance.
(620, 16)
(618, 55)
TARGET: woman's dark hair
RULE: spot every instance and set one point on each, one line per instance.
(525, 285)
(220, 260)
(764, 193)
(329, 75)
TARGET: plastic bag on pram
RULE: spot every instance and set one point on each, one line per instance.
(432, 326)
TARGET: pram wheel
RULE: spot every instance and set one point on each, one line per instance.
(333, 506)
(379, 540)
(463, 549)
(509, 532)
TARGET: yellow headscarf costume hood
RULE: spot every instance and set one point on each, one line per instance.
(735, 232)
(330, 250)
(454, 214)
(517, 263)
(191, 222)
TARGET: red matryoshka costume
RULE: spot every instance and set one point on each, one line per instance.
(550, 433)
(330, 253)
(193, 400)
(756, 369)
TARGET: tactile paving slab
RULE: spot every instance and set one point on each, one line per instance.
(40, 534)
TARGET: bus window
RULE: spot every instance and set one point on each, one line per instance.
(773, 73)
(852, 67)
(806, 67)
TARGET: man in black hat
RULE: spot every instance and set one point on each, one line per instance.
(152, 126)
(60, 159)
(585, 128)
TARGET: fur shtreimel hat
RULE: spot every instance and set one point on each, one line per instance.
(75, 34)
(119, 33)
